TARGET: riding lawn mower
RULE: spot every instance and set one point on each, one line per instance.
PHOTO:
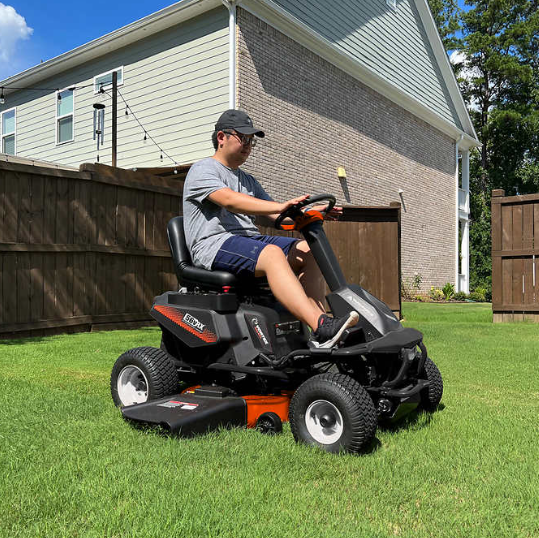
(231, 355)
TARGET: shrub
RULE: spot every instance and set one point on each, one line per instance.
(436, 294)
(419, 298)
(448, 290)
(481, 293)
(460, 296)
(409, 286)
(478, 295)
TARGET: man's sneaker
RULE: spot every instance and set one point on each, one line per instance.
(330, 329)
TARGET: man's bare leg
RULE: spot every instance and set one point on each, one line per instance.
(304, 265)
(286, 287)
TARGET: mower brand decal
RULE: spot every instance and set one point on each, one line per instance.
(183, 405)
(259, 332)
(190, 320)
(187, 322)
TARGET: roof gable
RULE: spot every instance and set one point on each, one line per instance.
(389, 41)
(397, 52)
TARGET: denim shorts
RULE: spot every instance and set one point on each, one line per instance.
(239, 254)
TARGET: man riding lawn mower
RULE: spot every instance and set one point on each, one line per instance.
(237, 353)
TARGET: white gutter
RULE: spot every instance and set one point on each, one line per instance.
(457, 212)
(231, 6)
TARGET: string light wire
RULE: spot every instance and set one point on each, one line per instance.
(146, 133)
(128, 110)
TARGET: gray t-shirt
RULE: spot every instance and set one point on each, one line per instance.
(207, 226)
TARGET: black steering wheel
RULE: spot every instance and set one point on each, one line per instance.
(295, 210)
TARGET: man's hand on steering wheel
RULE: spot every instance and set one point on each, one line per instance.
(334, 214)
(295, 208)
(289, 203)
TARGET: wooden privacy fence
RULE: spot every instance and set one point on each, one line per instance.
(87, 249)
(515, 250)
(82, 248)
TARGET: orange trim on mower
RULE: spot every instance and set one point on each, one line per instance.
(258, 405)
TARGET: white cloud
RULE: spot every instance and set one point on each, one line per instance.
(13, 28)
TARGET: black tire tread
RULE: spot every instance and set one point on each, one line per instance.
(364, 418)
(431, 397)
(160, 369)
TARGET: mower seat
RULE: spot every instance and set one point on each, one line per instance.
(193, 277)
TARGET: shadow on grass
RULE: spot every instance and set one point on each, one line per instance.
(416, 419)
(20, 341)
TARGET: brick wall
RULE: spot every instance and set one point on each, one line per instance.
(317, 118)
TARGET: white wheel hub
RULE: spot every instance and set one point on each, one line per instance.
(132, 385)
(324, 422)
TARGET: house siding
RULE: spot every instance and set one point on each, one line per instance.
(317, 118)
(390, 42)
(175, 82)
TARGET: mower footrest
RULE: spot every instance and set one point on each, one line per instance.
(189, 414)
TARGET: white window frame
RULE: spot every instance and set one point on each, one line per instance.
(58, 118)
(14, 133)
(107, 86)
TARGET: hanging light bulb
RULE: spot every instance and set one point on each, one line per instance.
(2, 98)
(161, 156)
(126, 111)
(175, 170)
(145, 137)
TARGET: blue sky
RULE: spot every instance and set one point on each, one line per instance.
(51, 27)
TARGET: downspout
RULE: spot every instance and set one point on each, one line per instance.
(231, 6)
(457, 276)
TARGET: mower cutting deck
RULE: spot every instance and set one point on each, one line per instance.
(207, 408)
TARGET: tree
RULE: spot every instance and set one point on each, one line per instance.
(499, 79)
(446, 14)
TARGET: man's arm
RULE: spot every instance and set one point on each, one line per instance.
(238, 202)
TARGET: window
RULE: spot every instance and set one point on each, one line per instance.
(65, 107)
(8, 131)
(105, 79)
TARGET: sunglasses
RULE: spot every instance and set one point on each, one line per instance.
(246, 140)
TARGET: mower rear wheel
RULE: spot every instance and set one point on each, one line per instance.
(142, 374)
(432, 395)
(334, 412)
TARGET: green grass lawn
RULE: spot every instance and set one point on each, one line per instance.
(70, 466)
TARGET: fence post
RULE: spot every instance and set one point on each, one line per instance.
(398, 205)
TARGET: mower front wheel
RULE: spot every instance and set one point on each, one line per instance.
(142, 374)
(432, 395)
(333, 412)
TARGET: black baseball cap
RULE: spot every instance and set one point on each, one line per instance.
(239, 121)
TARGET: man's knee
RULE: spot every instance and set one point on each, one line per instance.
(271, 254)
